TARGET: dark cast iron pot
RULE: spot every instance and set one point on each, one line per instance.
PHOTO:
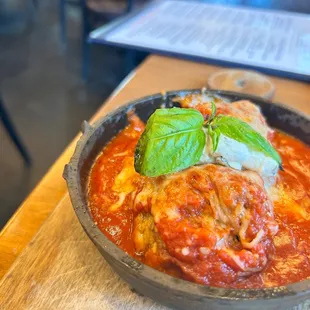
(172, 292)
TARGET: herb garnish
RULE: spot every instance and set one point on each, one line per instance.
(174, 139)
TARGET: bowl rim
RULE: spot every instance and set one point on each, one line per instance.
(71, 174)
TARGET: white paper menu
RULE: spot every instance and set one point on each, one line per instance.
(270, 39)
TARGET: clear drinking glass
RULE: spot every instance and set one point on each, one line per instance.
(243, 81)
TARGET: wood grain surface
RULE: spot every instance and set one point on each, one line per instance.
(62, 269)
(154, 75)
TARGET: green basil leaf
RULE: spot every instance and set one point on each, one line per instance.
(215, 137)
(173, 140)
(213, 111)
(240, 131)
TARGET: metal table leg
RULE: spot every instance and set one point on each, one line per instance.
(9, 126)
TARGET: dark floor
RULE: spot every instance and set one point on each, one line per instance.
(44, 93)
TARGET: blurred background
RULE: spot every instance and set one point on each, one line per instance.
(48, 86)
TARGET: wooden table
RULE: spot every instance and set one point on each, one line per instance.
(47, 262)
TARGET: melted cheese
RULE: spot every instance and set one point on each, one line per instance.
(120, 201)
(124, 183)
(142, 197)
(283, 202)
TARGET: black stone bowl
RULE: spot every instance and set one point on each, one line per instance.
(172, 292)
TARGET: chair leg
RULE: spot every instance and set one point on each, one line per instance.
(35, 3)
(63, 22)
(85, 43)
(85, 60)
(130, 60)
(130, 4)
(9, 126)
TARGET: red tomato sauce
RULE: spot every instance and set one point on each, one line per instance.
(289, 263)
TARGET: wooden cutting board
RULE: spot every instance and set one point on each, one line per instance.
(62, 269)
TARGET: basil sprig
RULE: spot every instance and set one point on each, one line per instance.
(240, 131)
(174, 139)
